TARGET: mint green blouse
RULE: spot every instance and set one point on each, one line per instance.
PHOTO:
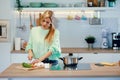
(40, 47)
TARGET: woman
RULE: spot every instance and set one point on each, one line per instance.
(44, 44)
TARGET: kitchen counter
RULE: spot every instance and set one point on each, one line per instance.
(96, 71)
(79, 50)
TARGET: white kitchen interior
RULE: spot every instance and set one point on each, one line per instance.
(72, 33)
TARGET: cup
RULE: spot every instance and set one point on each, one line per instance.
(77, 17)
(47, 65)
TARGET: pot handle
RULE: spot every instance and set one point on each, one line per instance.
(61, 59)
(80, 58)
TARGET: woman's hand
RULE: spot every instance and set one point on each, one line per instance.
(30, 55)
(35, 61)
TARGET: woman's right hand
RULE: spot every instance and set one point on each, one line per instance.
(30, 55)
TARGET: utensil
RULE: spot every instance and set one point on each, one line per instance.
(70, 16)
(95, 21)
(77, 17)
(83, 17)
(22, 27)
(31, 22)
(70, 60)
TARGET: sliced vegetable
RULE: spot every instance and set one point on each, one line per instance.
(26, 65)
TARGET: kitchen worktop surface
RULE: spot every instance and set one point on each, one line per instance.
(78, 50)
(95, 71)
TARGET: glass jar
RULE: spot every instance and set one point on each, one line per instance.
(111, 3)
(90, 4)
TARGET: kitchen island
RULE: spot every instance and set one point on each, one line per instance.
(95, 71)
(77, 50)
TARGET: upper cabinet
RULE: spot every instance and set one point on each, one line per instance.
(65, 5)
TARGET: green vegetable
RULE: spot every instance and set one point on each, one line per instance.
(26, 65)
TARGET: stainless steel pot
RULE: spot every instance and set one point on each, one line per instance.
(70, 60)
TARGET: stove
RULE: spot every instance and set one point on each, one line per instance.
(80, 66)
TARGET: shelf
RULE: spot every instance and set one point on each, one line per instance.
(78, 50)
(69, 9)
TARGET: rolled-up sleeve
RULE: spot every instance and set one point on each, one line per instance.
(55, 46)
(29, 44)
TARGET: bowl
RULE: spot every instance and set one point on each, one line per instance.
(50, 5)
(35, 4)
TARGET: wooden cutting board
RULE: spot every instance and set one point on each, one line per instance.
(28, 69)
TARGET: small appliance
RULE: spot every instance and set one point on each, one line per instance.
(104, 38)
(116, 40)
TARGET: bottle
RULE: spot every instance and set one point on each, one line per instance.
(106, 3)
(102, 3)
(90, 3)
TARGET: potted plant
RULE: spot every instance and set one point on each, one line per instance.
(111, 3)
(90, 40)
(19, 7)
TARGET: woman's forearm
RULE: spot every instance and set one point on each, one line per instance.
(30, 54)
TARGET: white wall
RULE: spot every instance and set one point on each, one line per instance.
(5, 47)
(4, 56)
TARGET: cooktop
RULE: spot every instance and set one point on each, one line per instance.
(80, 66)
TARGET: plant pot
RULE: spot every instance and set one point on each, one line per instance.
(90, 45)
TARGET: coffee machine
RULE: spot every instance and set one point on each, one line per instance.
(116, 40)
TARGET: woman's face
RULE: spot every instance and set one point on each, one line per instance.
(46, 23)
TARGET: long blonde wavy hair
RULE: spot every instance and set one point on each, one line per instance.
(49, 36)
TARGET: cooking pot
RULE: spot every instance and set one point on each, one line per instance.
(70, 60)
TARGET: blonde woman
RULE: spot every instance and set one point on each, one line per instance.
(44, 43)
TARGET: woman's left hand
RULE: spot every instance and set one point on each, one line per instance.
(35, 61)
